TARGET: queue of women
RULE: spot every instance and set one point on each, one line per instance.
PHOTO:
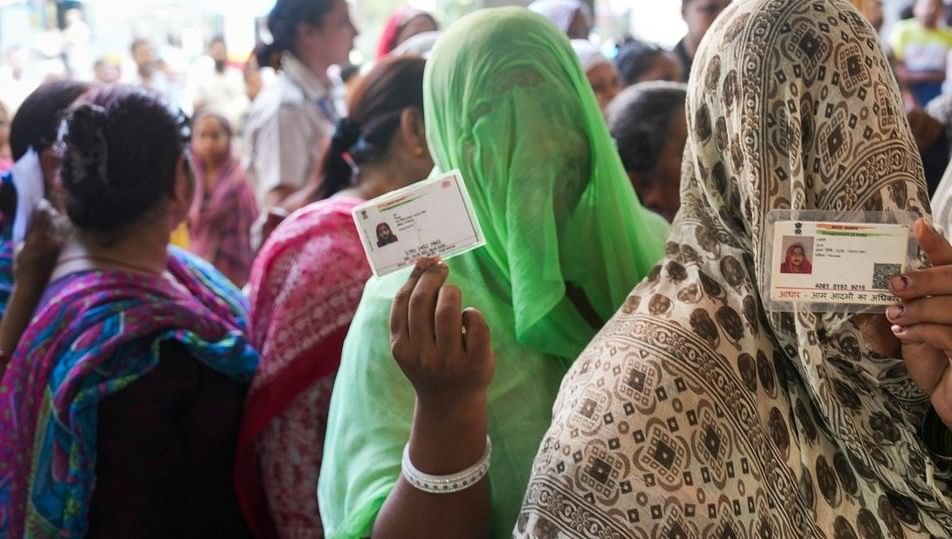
(590, 372)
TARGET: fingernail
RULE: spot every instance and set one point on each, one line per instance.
(895, 311)
(899, 282)
(422, 265)
(898, 330)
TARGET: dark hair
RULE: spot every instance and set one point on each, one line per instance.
(136, 43)
(640, 121)
(122, 145)
(908, 12)
(348, 72)
(37, 120)
(282, 24)
(635, 58)
(376, 105)
(201, 114)
(216, 39)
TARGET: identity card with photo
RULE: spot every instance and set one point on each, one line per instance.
(834, 265)
(432, 218)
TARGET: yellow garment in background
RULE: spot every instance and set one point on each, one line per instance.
(180, 236)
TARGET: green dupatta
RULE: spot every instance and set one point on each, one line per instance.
(508, 105)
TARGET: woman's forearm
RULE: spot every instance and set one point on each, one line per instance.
(446, 439)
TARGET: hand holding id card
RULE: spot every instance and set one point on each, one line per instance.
(835, 265)
(432, 218)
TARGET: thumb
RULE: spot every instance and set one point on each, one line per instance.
(925, 364)
(935, 247)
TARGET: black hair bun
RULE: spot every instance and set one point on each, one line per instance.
(86, 162)
(121, 150)
(88, 156)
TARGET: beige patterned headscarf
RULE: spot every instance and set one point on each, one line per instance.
(695, 412)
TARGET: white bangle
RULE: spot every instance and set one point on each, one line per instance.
(446, 484)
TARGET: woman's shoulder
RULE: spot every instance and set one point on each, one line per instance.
(200, 267)
(218, 291)
(317, 246)
(283, 94)
(330, 212)
(321, 227)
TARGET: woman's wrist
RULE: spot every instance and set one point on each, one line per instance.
(448, 436)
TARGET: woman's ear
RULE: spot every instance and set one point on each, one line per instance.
(413, 130)
(51, 163)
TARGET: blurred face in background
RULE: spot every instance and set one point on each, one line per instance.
(580, 27)
(664, 67)
(660, 189)
(144, 57)
(700, 15)
(210, 140)
(873, 11)
(928, 12)
(218, 53)
(254, 82)
(107, 71)
(332, 39)
(605, 81)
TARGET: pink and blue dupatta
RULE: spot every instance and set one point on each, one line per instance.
(6, 248)
(96, 333)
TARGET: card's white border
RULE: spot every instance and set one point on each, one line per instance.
(821, 216)
(467, 203)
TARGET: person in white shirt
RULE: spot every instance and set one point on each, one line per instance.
(16, 81)
(148, 71)
(217, 86)
(291, 121)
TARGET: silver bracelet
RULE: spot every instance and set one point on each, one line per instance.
(446, 484)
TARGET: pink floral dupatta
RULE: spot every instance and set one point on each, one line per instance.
(305, 287)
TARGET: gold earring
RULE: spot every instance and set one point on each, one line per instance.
(418, 151)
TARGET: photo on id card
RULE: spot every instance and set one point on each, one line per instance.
(831, 262)
(431, 218)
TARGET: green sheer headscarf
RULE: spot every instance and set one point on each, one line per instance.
(508, 104)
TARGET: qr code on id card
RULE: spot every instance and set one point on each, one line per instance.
(882, 273)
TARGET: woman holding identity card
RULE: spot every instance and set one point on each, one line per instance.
(508, 106)
(714, 405)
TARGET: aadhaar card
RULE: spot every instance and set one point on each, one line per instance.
(431, 218)
(835, 263)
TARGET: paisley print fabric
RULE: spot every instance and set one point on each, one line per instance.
(94, 335)
(697, 413)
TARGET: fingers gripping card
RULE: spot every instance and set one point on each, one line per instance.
(835, 263)
(432, 218)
